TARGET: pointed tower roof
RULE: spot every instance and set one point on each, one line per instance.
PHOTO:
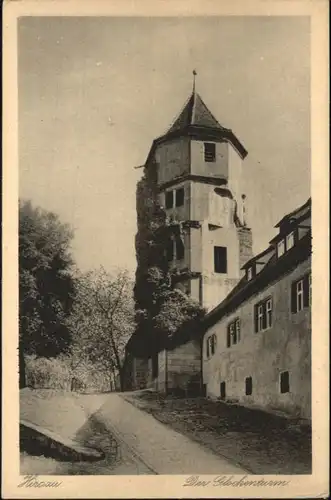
(195, 112)
(196, 121)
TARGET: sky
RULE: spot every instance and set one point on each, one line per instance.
(94, 92)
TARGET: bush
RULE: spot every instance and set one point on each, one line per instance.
(56, 373)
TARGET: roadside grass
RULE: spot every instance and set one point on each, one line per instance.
(260, 442)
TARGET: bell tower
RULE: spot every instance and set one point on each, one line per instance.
(200, 184)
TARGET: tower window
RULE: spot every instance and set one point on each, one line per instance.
(210, 152)
(222, 390)
(220, 260)
(179, 197)
(248, 386)
(284, 382)
(170, 250)
(169, 199)
(180, 250)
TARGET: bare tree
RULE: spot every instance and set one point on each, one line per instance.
(102, 320)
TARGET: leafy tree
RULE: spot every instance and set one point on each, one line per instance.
(178, 314)
(45, 283)
(102, 320)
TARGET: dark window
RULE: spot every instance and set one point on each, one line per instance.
(222, 390)
(263, 315)
(179, 249)
(169, 199)
(179, 197)
(220, 262)
(210, 151)
(301, 294)
(248, 386)
(284, 382)
(170, 250)
(155, 365)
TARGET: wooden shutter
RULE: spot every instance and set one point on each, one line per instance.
(264, 318)
(256, 320)
(207, 347)
(294, 298)
(228, 337)
(306, 291)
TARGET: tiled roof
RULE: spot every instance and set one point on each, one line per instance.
(296, 214)
(195, 112)
(196, 121)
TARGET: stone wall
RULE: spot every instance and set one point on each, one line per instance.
(245, 245)
(140, 373)
(180, 368)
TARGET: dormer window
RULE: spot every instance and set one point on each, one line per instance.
(290, 240)
(280, 248)
(249, 273)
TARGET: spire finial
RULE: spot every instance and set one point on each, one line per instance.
(194, 76)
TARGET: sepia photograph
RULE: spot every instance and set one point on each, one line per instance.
(164, 248)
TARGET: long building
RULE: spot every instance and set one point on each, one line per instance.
(257, 342)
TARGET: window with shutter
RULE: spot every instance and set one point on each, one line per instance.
(269, 313)
(260, 317)
(263, 315)
(233, 332)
